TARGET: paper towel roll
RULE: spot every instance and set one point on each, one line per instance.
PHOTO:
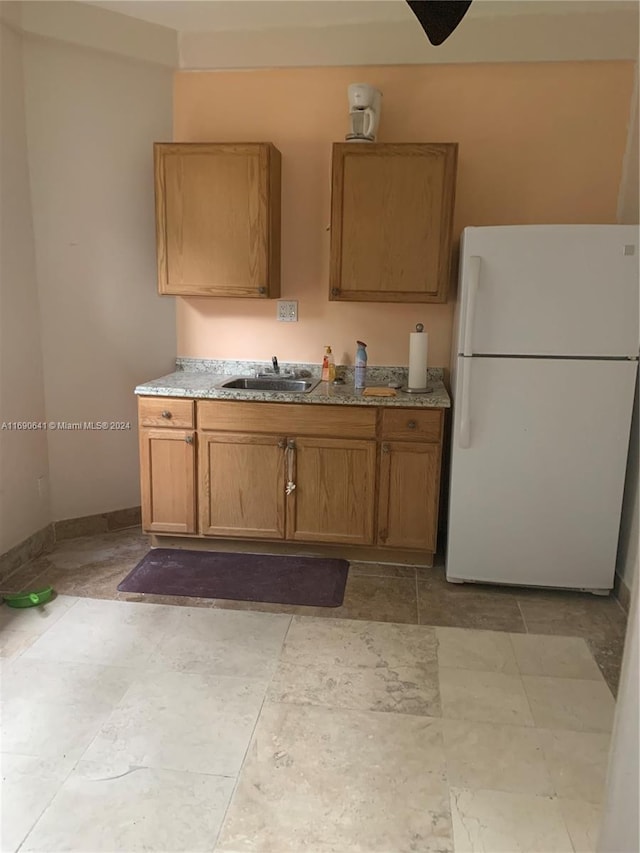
(418, 349)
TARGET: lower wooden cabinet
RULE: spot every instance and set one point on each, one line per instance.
(333, 498)
(241, 485)
(168, 483)
(296, 472)
(408, 495)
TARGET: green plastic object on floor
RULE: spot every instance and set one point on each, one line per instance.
(29, 599)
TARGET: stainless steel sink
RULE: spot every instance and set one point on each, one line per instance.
(275, 384)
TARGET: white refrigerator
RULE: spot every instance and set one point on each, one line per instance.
(545, 356)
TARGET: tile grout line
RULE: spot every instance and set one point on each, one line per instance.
(524, 621)
(48, 805)
(251, 736)
(524, 686)
(73, 765)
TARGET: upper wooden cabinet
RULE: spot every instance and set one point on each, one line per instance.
(391, 219)
(218, 219)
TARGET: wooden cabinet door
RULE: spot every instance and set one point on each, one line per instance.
(218, 219)
(333, 499)
(408, 495)
(168, 486)
(242, 485)
(391, 220)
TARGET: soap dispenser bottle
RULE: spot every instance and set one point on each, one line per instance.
(328, 366)
(361, 364)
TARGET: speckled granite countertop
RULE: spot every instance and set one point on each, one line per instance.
(202, 379)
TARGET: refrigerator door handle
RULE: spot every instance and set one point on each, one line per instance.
(464, 435)
(473, 280)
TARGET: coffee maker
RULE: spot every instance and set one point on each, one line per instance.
(364, 112)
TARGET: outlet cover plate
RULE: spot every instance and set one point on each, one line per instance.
(287, 310)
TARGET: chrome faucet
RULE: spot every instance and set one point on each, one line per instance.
(274, 371)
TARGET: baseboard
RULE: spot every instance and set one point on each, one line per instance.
(31, 548)
(42, 541)
(90, 525)
(621, 592)
(360, 553)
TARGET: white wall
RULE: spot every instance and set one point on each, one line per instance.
(99, 29)
(23, 455)
(501, 33)
(91, 121)
(627, 561)
(619, 832)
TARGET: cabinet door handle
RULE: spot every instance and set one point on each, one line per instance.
(189, 439)
(412, 424)
(262, 290)
(383, 534)
(166, 414)
(291, 449)
(282, 443)
(386, 447)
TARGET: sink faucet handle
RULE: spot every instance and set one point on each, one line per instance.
(274, 361)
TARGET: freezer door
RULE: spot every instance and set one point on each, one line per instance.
(539, 450)
(563, 290)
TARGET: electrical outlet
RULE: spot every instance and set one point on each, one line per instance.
(287, 311)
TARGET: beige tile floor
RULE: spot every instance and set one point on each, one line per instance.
(139, 725)
(133, 726)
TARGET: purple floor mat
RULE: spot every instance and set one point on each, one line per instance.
(315, 581)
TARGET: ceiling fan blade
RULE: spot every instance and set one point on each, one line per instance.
(439, 19)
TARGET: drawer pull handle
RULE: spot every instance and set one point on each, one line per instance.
(412, 424)
(166, 414)
(386, 447)
(189, 439)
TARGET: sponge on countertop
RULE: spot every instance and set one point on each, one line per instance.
(379, 392)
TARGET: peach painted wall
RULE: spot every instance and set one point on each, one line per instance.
(538, 142)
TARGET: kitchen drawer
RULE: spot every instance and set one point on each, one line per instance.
(166, 412)
(288, 419)
(412, 425)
